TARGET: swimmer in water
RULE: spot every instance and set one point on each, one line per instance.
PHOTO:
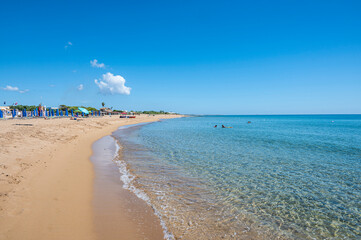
(225, 126)
(215, 126)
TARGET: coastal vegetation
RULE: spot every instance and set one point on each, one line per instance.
(61, 107)
(64, 107)
(22, 107)
(152, 112)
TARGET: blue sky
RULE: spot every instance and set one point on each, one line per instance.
(202, 57)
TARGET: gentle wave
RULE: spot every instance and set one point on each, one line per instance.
(128, 179)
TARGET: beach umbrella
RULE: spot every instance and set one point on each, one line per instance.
(14, 112)
(41, 113)
(99, 113)
(72, 113)
(1, 114)
(24, 112)
(66, 112)
(52, 112)
(92, 112)
(61, 113)
(57, 112)
(83, 110)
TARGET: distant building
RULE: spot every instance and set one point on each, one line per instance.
(108, 110)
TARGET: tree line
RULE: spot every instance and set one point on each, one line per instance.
(64, 107)
(61, 107)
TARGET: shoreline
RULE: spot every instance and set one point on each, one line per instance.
(46, 179)
(118, 211)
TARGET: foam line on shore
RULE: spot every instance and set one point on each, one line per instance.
(127, 178)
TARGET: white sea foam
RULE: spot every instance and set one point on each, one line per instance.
(117, 148)
(128, 179)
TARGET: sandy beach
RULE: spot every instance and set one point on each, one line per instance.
(47, 180)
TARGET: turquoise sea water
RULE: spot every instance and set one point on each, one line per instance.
(287, 177)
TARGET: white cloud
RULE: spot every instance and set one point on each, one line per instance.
(94, 63)
(112, 84)
(68, 44)
(10, 88)
(14, 89)
(80, 87)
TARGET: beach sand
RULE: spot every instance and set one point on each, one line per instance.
(47, 183)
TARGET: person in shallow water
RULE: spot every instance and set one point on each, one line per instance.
(215, 126)
(225, 126)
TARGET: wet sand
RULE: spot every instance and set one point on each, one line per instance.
(118, 212)
(47, 179)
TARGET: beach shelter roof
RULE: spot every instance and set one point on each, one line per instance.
(83, 110)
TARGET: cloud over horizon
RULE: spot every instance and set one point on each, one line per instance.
(14, 89)
(94, 63)
(112, 84)
(80, 87)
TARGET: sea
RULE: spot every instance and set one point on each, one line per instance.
(265, 177)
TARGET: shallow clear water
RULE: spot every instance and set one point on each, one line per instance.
(287, 177)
